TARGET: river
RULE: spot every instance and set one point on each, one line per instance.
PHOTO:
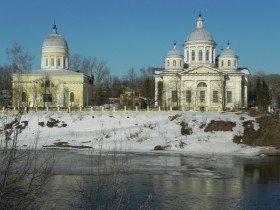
(163, 181)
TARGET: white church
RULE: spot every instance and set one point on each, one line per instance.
(200, 80)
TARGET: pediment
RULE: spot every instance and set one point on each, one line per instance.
(201, 70)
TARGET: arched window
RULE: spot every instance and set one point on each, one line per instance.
(23, 97)
(72, 97)
(202, 84)
(174, 62)
(207, 55)
(200, 55)
(228, 63)
(222, 63)
(47, 84)
(193, 55)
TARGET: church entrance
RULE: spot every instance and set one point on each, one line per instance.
(47, 100)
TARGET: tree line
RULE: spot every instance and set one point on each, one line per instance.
(263, 90)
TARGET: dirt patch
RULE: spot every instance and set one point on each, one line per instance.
(160, 147)
(53, 123)
(65, 145)
(9, 128)
(185, 129)
(267, 135)
(174, 117)
(220, 126)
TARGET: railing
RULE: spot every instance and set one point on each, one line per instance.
(105, 109)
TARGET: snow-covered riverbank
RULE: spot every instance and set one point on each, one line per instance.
(135, 131)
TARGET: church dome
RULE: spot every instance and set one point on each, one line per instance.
(228, 53)
(55, 40)
(174, 53)
(200, 34)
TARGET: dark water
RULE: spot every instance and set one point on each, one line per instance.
(165, 181)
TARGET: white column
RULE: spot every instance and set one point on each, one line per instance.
(182, 94)
(204, 55)
(245, 96)
(214, 53)
(209, 94)
(237, 96)
(210, 55)
(196, 54)
(166, 93)
(156, 93)
(195, 93)
(246, 92)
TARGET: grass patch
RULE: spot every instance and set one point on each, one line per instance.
(220, 126)
(185, 129)
(64, 144)
(174, 117)
(267, 135)
(160, 147)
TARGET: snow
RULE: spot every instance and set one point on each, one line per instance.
(132, 131)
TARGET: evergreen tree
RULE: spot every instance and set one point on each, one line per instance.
(262, 94)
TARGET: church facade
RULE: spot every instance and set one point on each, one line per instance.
(54, 85)
(200, 80)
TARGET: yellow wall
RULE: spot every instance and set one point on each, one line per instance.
(31, 85)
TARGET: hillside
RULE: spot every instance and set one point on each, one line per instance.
(183, 132)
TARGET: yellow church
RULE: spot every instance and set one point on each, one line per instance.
(54, 85)
(200, 80)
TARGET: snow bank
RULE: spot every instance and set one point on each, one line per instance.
(134, 131)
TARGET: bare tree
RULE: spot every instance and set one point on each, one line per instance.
(101, 74)
(23, 172)
(20, 61)
(82, 64)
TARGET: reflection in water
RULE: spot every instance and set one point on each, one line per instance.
(180, 182)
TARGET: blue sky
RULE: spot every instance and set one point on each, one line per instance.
(139, 33)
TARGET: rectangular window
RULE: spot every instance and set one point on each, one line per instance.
(215, 96)
(58, 62)
(202, 96)
(174, 96)
(52, 62)
(47, 97)
(47, 63)
(228, 63)
(168, 63)
(229, 96)
(189, 95)
(174, 62)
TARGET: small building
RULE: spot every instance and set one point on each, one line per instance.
(200, 80)
(54, 84)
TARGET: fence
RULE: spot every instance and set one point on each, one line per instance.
(103, 109)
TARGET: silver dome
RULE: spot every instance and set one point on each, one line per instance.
(55, 40)
(200, 34)
(174, 53)
(228, 53)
